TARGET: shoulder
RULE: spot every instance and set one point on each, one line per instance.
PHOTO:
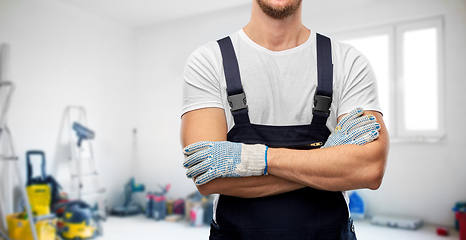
(202, 79)
(344, 53)
(204, 63)
(205, 54)
(349, 61)
(209, 56)
(356, 83)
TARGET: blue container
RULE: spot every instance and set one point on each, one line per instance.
(356, 206)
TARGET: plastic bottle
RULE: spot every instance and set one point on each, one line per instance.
(356, 206)
(197, 215)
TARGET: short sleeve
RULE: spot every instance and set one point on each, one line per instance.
(201, 85)
(359, 83)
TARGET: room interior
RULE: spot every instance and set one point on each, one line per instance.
(124, 65)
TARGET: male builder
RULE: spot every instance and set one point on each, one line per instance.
(273, 122)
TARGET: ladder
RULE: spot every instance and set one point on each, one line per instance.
(5, 134)
(82, 162)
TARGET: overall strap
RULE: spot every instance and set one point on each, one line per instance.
(236, 95)
(323, 96)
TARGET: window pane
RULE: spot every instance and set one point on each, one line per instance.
(376, 49)
(420, 79)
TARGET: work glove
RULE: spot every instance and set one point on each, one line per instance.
(354, 128)
(224, 159)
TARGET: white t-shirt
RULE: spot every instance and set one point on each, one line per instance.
(279, 85)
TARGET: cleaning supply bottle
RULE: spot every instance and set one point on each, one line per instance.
(356, 206)
(197, 215)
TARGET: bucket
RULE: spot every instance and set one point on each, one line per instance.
(18, 228)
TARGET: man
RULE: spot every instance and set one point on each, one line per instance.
(257, 113)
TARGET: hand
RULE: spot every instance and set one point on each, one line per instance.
(354, 128)
(224, 159)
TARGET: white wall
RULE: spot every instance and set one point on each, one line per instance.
(162, 51)
(62, 56)
(422, 180)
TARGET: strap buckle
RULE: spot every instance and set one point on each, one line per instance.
(237, 102)
(322, 104)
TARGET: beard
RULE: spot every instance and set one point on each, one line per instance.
(279, 12)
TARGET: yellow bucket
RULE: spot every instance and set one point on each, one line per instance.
(19, 228)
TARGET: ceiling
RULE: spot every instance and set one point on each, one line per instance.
(138, 13)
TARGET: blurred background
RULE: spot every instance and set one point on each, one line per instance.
(123, 62)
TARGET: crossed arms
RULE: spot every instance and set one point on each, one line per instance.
(336, 168)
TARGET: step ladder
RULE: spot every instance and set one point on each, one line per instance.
(10, 156)
(82, 163)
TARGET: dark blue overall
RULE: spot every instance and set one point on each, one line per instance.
(306, 213)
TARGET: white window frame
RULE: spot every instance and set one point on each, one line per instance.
(394, 31)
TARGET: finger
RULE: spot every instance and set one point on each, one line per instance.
(196, 158)
(361, 131)
(367, 138)
(359, 122)
(205, 178)
(199, 168)
(195, 147)
(350, 116)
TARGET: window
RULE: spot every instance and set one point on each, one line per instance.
(407, 59)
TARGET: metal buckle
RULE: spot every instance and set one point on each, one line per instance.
(322, 104)
(237, 102)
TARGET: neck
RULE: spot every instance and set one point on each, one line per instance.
(276, 34)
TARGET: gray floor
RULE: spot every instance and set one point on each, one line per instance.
(141, 228)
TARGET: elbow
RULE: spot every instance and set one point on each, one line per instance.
(204, 189)
(375, 182)
(376, 164)
(375, 176)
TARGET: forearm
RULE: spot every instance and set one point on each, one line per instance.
(209, 124)
(337, 168)
(249, 187)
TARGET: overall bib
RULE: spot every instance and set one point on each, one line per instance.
(306, 213)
